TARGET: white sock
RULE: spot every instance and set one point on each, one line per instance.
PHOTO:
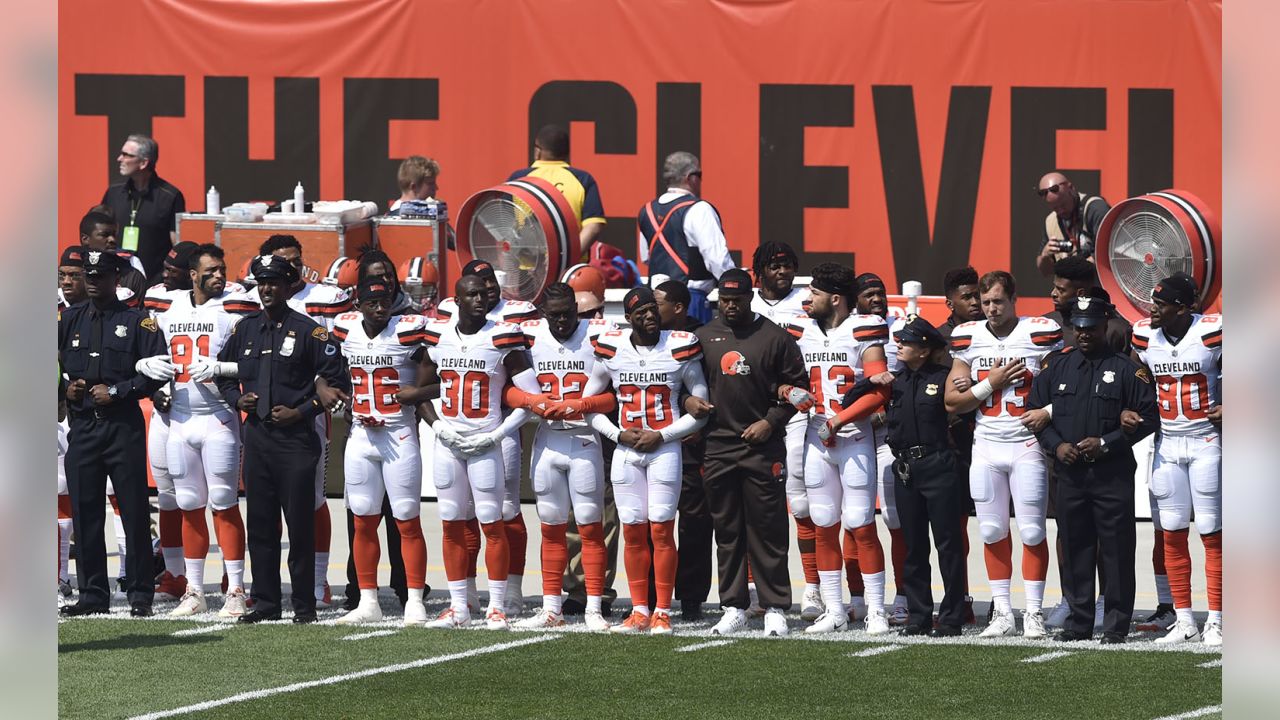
(497, 594)
(751, 590)
(1000, 596)
(553, 603)
(873, 591)
(812, 587)
(415, 594)
(235, 573)
(1185, 616)
(173, 560)
(1215, 616)
(593, 603)
(458, 596)
(195, 574)
(832, 590)
(322, 573)
(64, 549)
(368, 595)
(642, 609)
(1035, 594)
(1163, 595)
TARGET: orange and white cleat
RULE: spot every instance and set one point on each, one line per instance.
(324, 597)
(636, 622)
(660, 623)
(451, 619)
(171, 587)
(496, 619)
(544, 619)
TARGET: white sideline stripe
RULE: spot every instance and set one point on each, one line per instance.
(370, 634)
(872, 652)
(1211, 664)
(1210, 710)
(1047, 657)
(704, 645)
(335, 679)
(206, 628)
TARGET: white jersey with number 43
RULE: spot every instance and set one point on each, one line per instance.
(1187, 374)
(1030, 341)
(471, 372)
(198, 332)
(834, 360)
(381, 365)
(647, 380)
(563, 368)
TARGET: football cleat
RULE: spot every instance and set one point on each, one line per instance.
(1001, 624)
(775, 623)
(1033, 625)
(811, 606)
(1212, 634)
(1182, 632)
(496, 619)
(192, 603)
(324, 597)
(1099, 613)
(829, 622)
(636, 622)
(365, 612)
(734, 620)
(595, 622)
(170, 587)
(660, 623)
(544, 619)
(899, 615)
(450, 619)
(1159, 621)
(753, 606)
(1059, 614)
(234, 605)
(877, 622)
(415, 613)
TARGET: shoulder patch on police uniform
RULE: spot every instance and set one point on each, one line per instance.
(320, 334)
(1144, 375)
(149, 324)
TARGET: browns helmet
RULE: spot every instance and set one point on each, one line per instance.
(585, 278)
(343, 272)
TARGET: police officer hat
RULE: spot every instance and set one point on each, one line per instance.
(72, 257)
(270, 267)
(373, 287)
(919, 331)
(98, 262)
(1090, 312)
(735, 282)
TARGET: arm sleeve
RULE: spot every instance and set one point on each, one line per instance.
(603, 425)
(696, 383)
(875, 398)
(702, 228)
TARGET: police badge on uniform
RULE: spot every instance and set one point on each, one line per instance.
(286, 347)
(1108, 376)
(931, 389)
(121, 331)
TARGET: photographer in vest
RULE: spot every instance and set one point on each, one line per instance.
(1072, 223)
(680, 236)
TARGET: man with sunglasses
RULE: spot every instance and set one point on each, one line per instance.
(1072, 224)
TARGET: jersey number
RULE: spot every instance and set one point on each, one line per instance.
(645, 408)
(1189, 393)
(180, 348)
(1021, 391)
(569, 388)
(468, 392)
(375, 391)
(841, 375)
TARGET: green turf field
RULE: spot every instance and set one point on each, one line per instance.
(383, 671)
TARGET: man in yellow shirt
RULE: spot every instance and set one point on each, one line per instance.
(551, 163)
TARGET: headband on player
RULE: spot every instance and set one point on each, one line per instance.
(371, 288)
(1177, 289)
(638, 297)
(72, 257)
(180, 256)
(868, 280)
(834, 288)
(483, 268)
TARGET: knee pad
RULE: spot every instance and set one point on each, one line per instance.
(190, 498)
(799, 506)
(488, 511)
(552, 514)
(661, 512)
(823, 514)
(1175, 518)
(585, 513)
(993, 531)
(166, 499)
(1207, 523)
(889, 514)
(361, 504)
(1031, 534)
(450, 511)
(510, 508)
(405, 508)
(221, 498)
(630, 515)
(857, 517)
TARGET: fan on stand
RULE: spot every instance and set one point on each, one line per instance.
(525, 229)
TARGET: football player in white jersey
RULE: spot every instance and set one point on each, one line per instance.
(648, 368)
(322, 303)
(1001, 357)
(840, 347)
(472, 358)
(202, 449)
(567, 464)
(64, 506)
(1183, 350)
(382, 456)
(500, 309)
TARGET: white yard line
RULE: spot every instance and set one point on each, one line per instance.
(1047, 657)
(872, 652)
(206, 628)
(704, 645)
(370, 634)
(335, 679)
(1210, 710)
(1211, 664)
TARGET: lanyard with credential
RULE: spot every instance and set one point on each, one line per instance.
(130, 239)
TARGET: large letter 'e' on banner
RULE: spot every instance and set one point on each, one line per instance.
(1150, 237)
(526, 229)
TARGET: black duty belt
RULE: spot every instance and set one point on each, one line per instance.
(915, 452)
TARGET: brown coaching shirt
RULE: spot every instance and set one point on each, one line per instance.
(744, 368)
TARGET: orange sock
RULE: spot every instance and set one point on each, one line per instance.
(555, 556)
(1177, 561)
(324, 528)
(64, 507)
(413, 548)
(805, 541)
(852, 568)
(1035, 561)
(826, 548)
(898, 555)
(228, 525)
(1157, 553)
(1213, 569)
(636, 558)
(195, 534)
(497, 554)
(594, 557)
(665, 560)
(518, 542)
(870, 552)
(115, 504)
(365, 550)
(454, 549)
(471, 534)
(999, 558)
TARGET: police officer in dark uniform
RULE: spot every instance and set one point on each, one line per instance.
(279, 352)
(929, 488)
(101, 344)
(1083, 391)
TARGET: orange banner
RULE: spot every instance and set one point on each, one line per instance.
(905, 136)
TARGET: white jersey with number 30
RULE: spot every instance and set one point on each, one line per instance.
(1187, 374)
(471, 370)
(1030, 341)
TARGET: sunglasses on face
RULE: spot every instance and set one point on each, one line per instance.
(1051, 189)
